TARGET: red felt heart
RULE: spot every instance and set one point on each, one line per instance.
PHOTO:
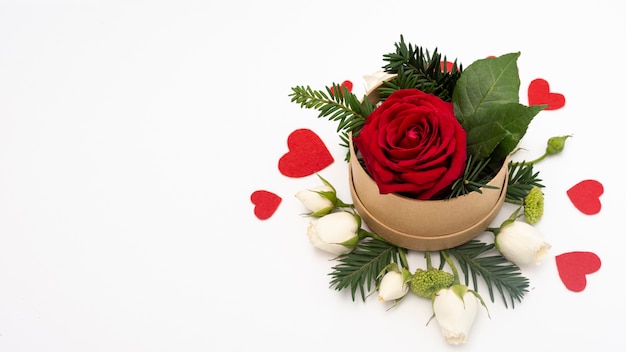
(585, 196)
(307, 154)
(447, 67)
(539, 94)
(574, 266)
(345, 84)
(265, 203)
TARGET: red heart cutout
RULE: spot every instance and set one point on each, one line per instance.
(265, 203)
(585, 196)
(307, 154)
(447, 67)
(539, 94)
(346, 84)
(574, 266)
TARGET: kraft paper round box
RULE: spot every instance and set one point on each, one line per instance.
(425, 225)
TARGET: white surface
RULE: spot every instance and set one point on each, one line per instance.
(132, 134)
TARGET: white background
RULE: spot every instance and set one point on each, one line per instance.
(132, 134)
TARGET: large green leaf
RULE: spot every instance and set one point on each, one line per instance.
(482, 140)
(484, 83)
(497, 130)
(486, 103)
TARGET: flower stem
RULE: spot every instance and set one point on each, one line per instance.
(515, 202)
(401, 251)
(342, 204)
(364, 233)
(493, 229)
(429, 263)
(445, 255)
(403, 260)
(538, 159)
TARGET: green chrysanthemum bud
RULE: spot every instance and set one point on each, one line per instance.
(425, 283)
(556, 144)
(533, 205)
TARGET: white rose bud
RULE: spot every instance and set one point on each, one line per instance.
(522, 243)
(392, 286)
(373, 80)
(316, 202)
(455, 310)
(335, 233)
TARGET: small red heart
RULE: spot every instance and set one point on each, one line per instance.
(265, 203)
(447, 67)
(539, 94)
(574, 266)
(307, 154)
(585, 196)
(345, 84)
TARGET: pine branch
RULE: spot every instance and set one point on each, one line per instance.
(495, 270)
(358, 269)
(342, 107)
(475, 177)
(521, 181)
(417, 68)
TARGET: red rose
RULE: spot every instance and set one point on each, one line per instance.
(413, 145)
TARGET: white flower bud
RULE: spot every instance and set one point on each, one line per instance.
(522, 243)
(392, 287)
(314, 201)
(455, 314)
(373, 80)
(332, 232)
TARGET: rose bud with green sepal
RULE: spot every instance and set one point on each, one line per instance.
(336, 233)
(455, 310)
(556, 144)
(521, 243)
(394, 283)
(320, 200)
(316, 200)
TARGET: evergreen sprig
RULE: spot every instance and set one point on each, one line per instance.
(521, 180)
(335, 103)
(475, 177)
(475, 260)
(417, 68)
(359, 269)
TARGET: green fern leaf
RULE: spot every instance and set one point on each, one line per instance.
(335, 103)
(359, 269)
(417, 68)
(521, 181)
(496, 271)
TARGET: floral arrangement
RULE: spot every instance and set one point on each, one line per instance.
(437, 132)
